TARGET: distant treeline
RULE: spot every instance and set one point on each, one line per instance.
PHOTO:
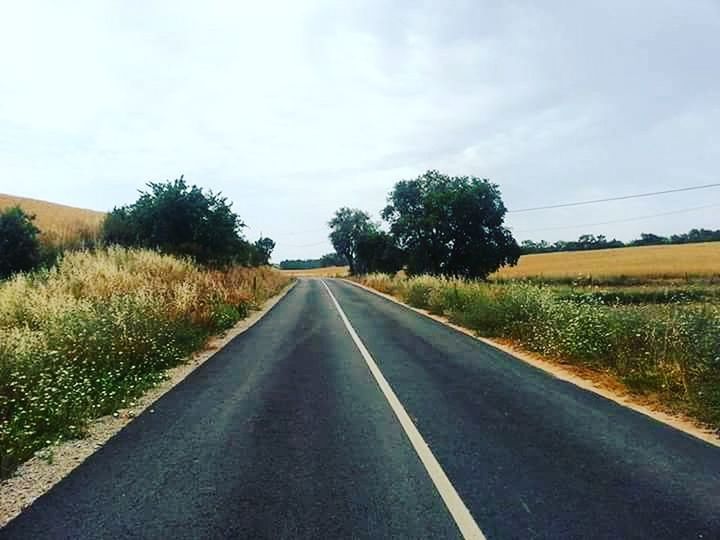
(590, 241)
(331, 259)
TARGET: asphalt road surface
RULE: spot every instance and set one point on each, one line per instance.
(406, 429)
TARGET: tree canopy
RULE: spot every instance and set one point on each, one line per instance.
(176, 218)
(19, 244)
(450, 225)
(378, 252)
(348, 226)
(263, 250)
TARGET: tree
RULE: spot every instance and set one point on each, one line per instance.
(528, 246)
(263, 250)
(649, 239)
(348, 226)
(450, 225)
(378, 252)
(183, 220)
(332, 259)
(19, 244)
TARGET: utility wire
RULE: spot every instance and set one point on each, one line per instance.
(594, 201)
(580, 203)
(637, 218)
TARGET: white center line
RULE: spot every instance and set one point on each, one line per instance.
(464, 520)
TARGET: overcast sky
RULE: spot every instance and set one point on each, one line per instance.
(293, 109)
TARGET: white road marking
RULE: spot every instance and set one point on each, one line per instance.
(459, 512)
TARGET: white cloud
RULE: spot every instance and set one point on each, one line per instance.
(293, 109)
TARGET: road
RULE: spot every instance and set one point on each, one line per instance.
(286, 433)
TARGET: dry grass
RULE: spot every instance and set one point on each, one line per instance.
(81, 339)
(58, 223)
(651, 262)
(328, 271)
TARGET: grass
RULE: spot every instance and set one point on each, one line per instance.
(328, 271)
(622, 265)
(60, 226)
(669, 349)
(86, 337)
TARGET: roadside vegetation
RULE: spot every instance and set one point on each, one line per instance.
(663, 341)
(86, 337)
(648, 314)
(89, 330)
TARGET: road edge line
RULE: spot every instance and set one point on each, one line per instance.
(455, 505)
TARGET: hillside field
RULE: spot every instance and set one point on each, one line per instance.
(646, 262)
(58, 223)
(328, 271)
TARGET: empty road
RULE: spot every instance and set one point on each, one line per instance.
(343, 415)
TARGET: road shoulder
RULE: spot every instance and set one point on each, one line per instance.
(586, 379)
(39, 474)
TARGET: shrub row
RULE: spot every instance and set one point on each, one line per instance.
(672, 349)
(88, 336)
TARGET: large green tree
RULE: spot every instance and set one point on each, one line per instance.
(450, 225)
(348, 226)
(378, 252)
(177, 218)
(19, 244)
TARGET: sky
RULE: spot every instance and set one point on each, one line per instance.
(293, 109)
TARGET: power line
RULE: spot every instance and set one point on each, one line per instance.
(625, 197)
(637, 218)
(580, 203)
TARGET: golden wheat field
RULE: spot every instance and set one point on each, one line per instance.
(328, 271)
(57, 222)
(658, 262)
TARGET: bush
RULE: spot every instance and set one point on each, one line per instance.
(19, 244)
(86, 337)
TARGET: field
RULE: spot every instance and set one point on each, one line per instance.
(59, 224)
(86, 337)
(634, 264)
(328, 271)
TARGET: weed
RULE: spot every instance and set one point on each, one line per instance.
(665, 342)
(88, 336)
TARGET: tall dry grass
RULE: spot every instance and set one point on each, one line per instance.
(85, 337)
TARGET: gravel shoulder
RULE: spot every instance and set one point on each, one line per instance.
(49, 466)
